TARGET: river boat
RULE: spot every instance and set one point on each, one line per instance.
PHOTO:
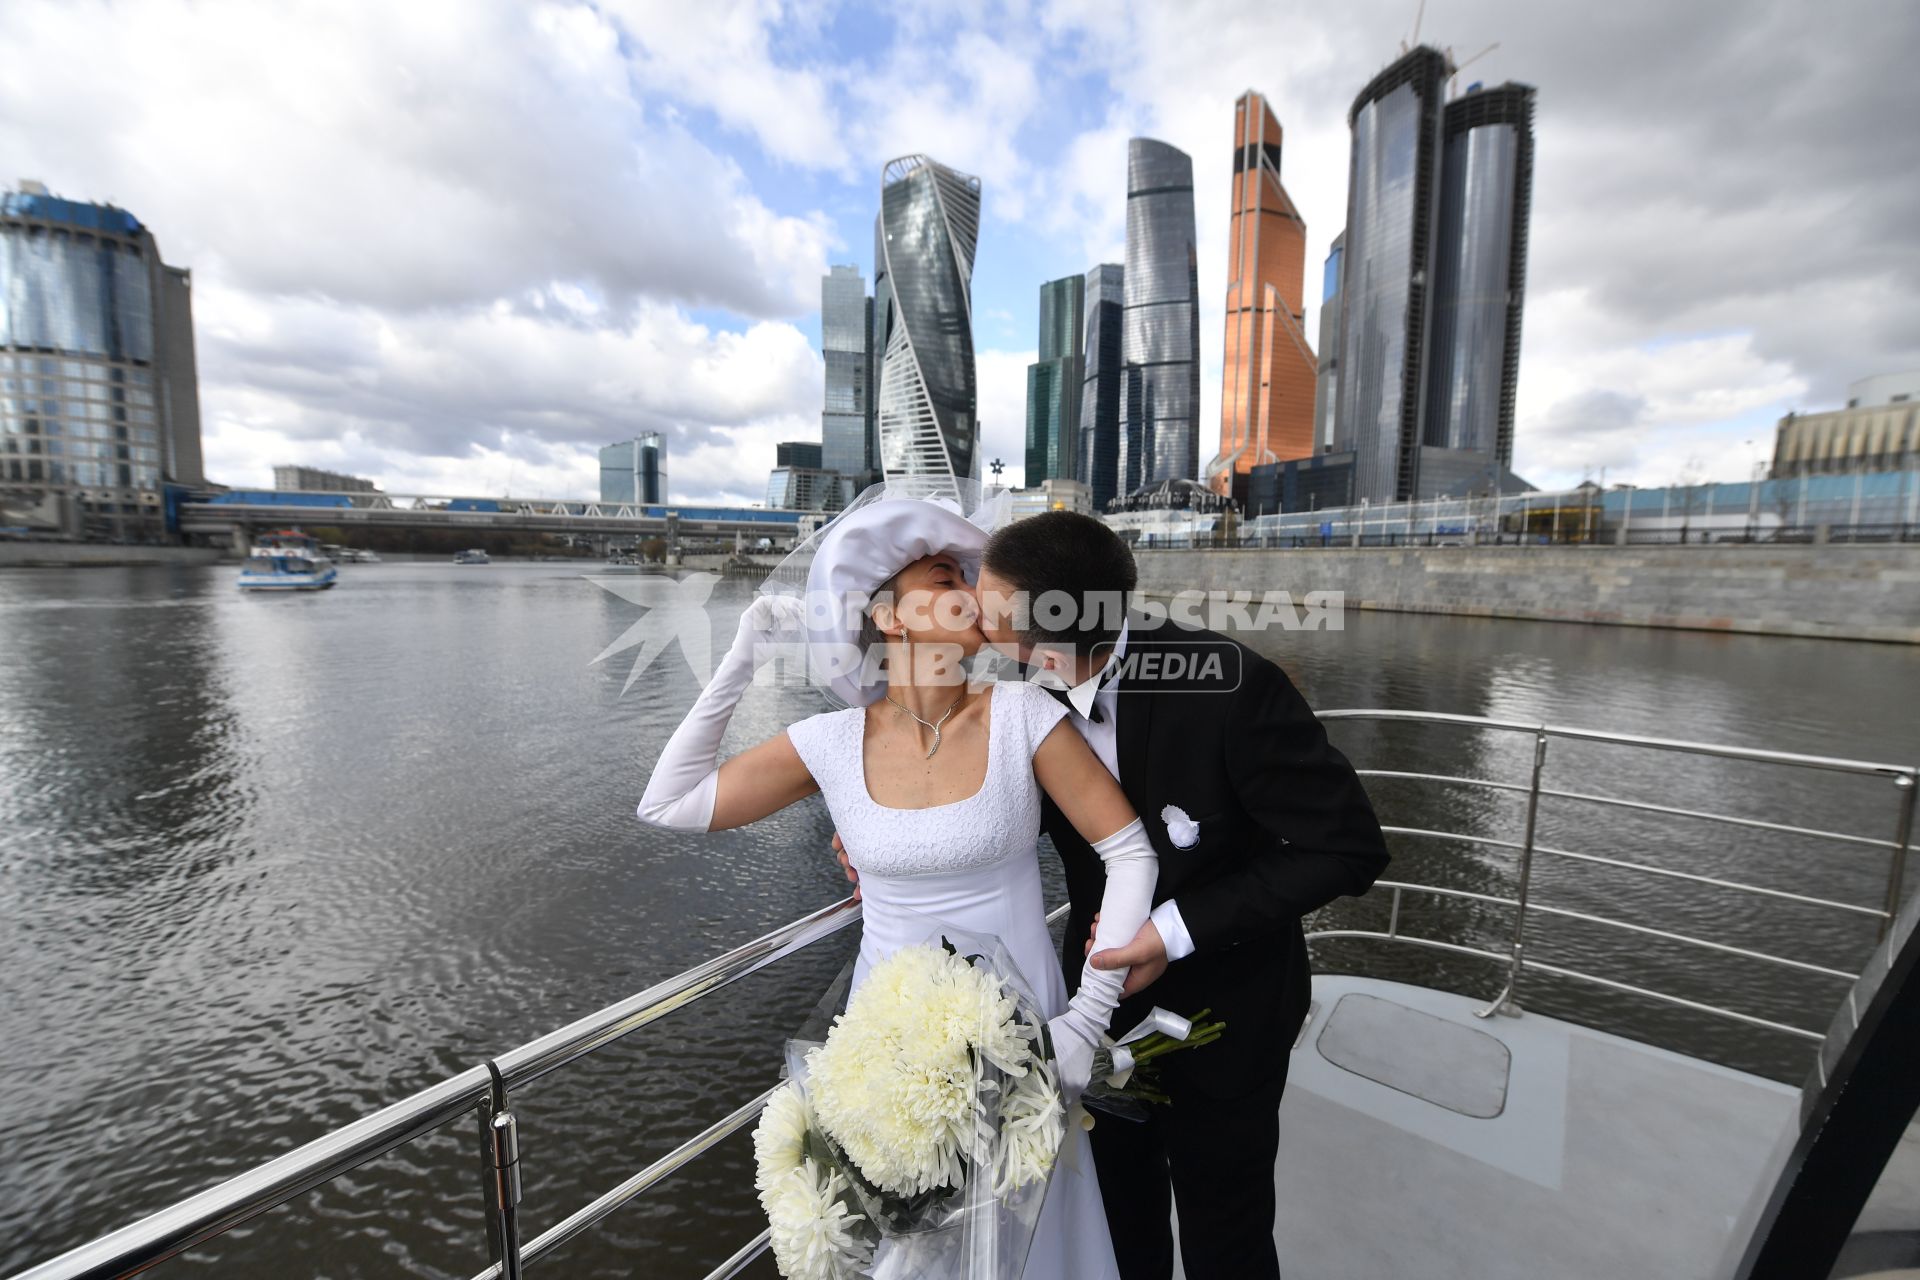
(1433, 1124)
(475, 556)
(287, 560)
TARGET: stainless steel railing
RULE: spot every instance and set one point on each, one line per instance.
(1529, 850)
(487, 1089)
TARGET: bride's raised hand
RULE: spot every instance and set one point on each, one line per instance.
(690, 789)
(769, 623)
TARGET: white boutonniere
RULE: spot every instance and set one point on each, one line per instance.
(1182, 830)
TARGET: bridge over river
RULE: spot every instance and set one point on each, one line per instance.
(241, 513)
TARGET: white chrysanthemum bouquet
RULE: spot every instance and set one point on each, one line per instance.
(917, 1140)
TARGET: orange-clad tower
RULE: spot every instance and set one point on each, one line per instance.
(1267, 385)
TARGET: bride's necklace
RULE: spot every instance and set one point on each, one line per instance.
(934, 724)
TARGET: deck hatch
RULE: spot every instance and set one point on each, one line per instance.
(1432, 1059)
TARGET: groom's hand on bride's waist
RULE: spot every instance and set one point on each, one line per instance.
(853, 877)
(1144, 959)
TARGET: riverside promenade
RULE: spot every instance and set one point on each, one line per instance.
(1842, 592)
(63, 555)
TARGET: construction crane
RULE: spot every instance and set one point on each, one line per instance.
(1458, 67)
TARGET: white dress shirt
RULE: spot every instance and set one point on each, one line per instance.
(1103, 735)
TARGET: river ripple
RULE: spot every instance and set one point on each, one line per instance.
(267, 864)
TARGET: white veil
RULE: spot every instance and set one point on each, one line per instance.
(833, 569)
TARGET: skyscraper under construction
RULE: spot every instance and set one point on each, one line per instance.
(1432, 281)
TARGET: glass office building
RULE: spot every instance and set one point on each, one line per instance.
(1391, 207)
(1326, 392)
(1160, 328)
(1267, 374)
(844, 337)
(1432, 281)
(1097, 454)
(1054, 382)
(928, 424)
(635, 470)
(99, 395)
(1479, 274)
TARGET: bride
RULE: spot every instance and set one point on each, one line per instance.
(934, 784)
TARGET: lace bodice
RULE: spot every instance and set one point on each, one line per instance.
(970, 865)
(999, 821)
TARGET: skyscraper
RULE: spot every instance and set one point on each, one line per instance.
(1054, 382)
(1432, 281)
(635, 470)
(1326, 394)
(1097, 456)
(1160, 342)
(929, 429)
(843, 344)
(798, 482)
(1479, 286)
(99, 397)
(1267, 378)
(879, 325)
(1391, 210)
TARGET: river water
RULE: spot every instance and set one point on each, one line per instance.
(267, 864)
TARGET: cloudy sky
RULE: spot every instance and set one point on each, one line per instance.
(457, 244)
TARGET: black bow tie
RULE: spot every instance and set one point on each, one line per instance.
(1060, 696)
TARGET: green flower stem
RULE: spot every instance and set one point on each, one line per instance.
(1159, 1044)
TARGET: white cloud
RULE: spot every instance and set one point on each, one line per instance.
(461, 237)
(1692, 179)
(410, 395)
(961, 97)
(1002, 383)
(430, 154)
(717, 55)
(446, 243)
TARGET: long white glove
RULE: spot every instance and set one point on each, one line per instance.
(686, 778)
(1132, 870)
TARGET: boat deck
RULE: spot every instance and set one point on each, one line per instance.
(1417, 1139)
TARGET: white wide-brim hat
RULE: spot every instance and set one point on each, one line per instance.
(858, 552)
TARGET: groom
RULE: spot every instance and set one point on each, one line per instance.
(1257, 821)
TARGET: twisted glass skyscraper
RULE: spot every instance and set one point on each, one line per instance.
(929, 429)
(1160, 341)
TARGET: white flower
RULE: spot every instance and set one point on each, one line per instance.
(1032, 1123)
(896, 1084)
(814, 1232)
(1182, 830)
(779, 1140)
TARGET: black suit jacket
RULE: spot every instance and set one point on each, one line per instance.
(1284, 828)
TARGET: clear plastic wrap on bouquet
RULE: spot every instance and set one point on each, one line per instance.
(920, 1124)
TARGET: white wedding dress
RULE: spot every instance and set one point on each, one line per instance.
(973, 865)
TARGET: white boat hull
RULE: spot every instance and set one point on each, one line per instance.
(289, 581)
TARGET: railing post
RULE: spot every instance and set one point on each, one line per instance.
(1504, 1002)
(1903, 840)
(500, 1175)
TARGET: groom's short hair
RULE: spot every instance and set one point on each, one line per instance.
(1065, 552)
